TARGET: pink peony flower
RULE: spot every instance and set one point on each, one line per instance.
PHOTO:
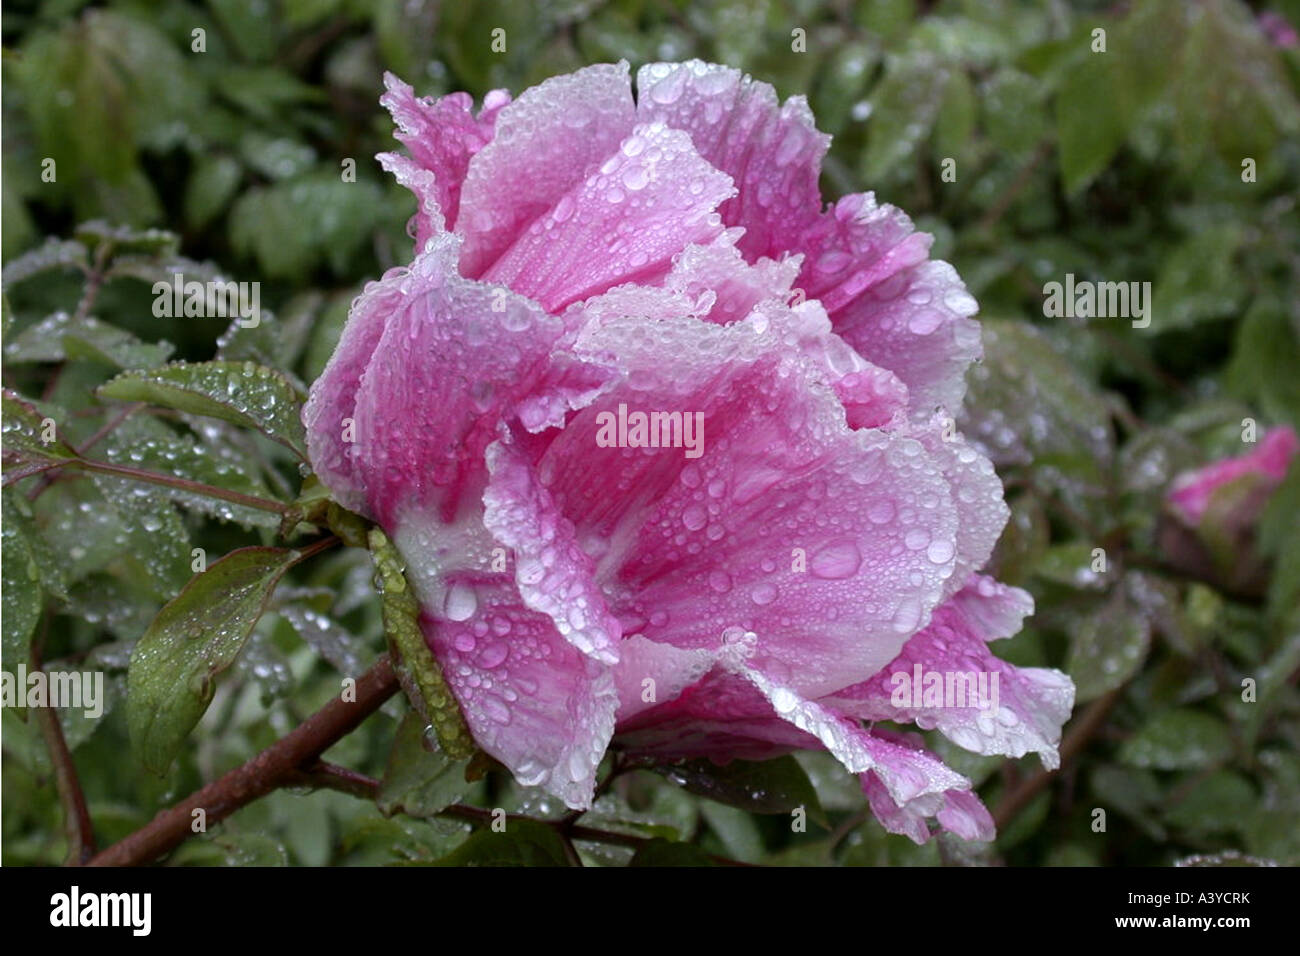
(1191, 491)
(1278, 29)
(666, 445)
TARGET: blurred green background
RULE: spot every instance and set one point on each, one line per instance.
(1127, 165)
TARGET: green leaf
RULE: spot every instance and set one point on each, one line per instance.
(263, 91)
(210, 188)
(124, 240)
(420, 674)
(231, 849)
(345, 651)
(1108, 647)
(1181, 739)
(524, 843)
(417, 781)
(62, 336)
(905, 105)
(292, 225)
(1218, 803)
(842, 81)
(145, 442)
(955, 123)
(54, 254)
(28, 439)
(276, 340)
(1029, 402)
(1278, 540)
(1198, 280)
(155, 538)
(1012, 113)
(1264, 359)
(49, 564)
(20, 585)
(660, 852)
(779, 785)
(1232, 96)
(1091, 122)
(1132, 792)
(1070, 564)
(194, 638)
(242, 393)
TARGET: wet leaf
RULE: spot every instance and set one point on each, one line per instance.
(660, 852)
(1182, 739)
(1108, 647)
(1218, 803)
(30, 439)
(419, 781)
(524, 843)
(779, 785)
(194, 638)
(241, 393)
(144, 442)
(20, 586)
(54, 254)
(1028, 402)
(61, 336)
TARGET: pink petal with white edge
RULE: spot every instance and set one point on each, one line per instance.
(1031, 703)
(958, 809)
(917, 324)
(328, 415)
(442, 136)
(736, 713)
(774, 153)
(977, 492)
(649, 674)
(553, 575)
(545, 143)
(687, 548)
(531, 699)
(865, 261)
(651, 197)
(454, 360)
(428, 219)
(735, 287)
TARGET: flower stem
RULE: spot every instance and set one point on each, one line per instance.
(183, 484)
(277, 766)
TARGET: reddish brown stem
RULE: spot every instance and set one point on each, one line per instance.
(279, 765)
(76, 818)
(184, 484)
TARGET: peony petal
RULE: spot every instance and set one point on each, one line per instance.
(865, 261)
(531, 699)
(442, 136)
(428, 219)
(957, 808)
(553, 575)
(650, 198)
(977, 493)
(995, 708)
(546, 142)
(718, 271)
(453, 360)
(773, 153)
(917, 324)
(649, 673)
(749, 534)
(1191, 491)
(329, 413)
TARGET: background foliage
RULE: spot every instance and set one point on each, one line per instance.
(1122, 166)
